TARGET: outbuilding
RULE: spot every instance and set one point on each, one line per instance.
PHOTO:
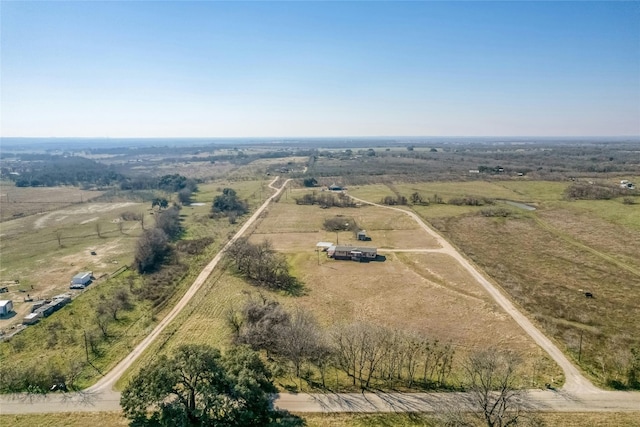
(362, 235)
(6, 307)
(81, 280)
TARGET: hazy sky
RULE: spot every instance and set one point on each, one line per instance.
(218, 69)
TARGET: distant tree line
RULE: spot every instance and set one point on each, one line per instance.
(585, 191)
(326, 199)
(51, 171)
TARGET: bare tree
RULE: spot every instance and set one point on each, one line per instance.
(59, 237)
(298, 339)
(493, 396)
(98, 229)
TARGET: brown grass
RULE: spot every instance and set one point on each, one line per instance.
(24, 201)
(547, 275)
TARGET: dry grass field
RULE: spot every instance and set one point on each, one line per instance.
(411, 291)
(42, 252)
(32, 254)
(547, 259)
(16, 202)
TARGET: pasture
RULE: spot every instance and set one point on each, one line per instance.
(17, 202)
(547, 259)
(44, 251)
(418, 291)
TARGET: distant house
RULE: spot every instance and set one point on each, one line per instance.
(355, 253)
(335, 188)
(6, 307)
(81, 280)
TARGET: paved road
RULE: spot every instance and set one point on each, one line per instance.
(577, 395)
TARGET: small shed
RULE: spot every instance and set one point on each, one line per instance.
(362, 235)
(81, 280)
(6, 307)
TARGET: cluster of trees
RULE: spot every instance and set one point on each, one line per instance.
(49, 171)
(260, 264)
(199, 386)
(310, 182)
(169, 183)
(582, 191)
(153, 246)
(364, 352)
(326, 199)
(496, 212)
(471, 201)
(228, 204)
(340, 223)
(394, 200)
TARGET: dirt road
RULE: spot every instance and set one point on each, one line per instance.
(574, 381)
(577, 395)
(107, 382)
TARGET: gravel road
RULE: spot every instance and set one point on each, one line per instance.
(577, 394)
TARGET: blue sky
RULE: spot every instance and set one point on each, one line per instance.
(245, 69)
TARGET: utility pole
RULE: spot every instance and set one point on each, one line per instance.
(86, 349)
(580, 348)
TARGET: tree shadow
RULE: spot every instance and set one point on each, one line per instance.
(296, 289)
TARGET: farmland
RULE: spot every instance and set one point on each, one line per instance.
(547, 259)
(426, 293)
(40, 254)
(544, 260)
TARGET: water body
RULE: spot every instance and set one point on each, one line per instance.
(520, 205)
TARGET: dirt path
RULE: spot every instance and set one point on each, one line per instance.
(577, 395)
(107, 382)
(575, 382)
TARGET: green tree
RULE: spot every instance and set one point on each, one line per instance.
(197, 386)
(228, 202)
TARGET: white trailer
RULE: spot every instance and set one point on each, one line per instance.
(6, 307)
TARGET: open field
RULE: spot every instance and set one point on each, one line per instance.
(31, 251)
(546, 259)
(17, 202)
(42, 252)
(427, 293)
(566, 419)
